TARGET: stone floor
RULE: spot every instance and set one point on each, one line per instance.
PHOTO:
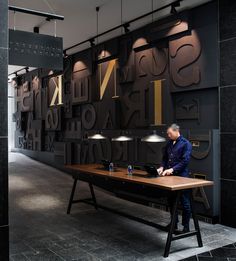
(225, 253)
(41, 230)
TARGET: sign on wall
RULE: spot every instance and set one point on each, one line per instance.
(35, 50)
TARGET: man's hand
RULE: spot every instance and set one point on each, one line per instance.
(168, 172)
(160, 170)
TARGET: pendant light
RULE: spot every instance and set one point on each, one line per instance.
(123, 137)
(97, 136)
(153, 138)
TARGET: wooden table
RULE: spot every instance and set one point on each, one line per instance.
(153, 188)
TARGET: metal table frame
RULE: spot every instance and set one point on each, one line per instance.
(171, 237)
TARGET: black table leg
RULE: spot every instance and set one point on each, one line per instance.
(93, 195)
(72, 196)
(172, 224)
(195, 220)
(171, 237)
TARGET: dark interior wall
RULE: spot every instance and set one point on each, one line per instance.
(3, 131)
(227, 12)
(182, 51)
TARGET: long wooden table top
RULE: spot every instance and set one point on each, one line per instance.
(172, 183)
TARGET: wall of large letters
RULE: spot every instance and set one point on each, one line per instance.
(164, 72)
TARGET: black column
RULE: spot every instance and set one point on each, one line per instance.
(227, 29)
(4, 228)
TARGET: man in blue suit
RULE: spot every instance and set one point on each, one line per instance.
(175, 161)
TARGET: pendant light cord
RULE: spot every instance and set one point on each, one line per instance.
(121, 15)
(53, 11)
(14, 20)
(152, 11)
(97, 12)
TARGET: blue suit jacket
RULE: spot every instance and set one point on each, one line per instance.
(177, 156)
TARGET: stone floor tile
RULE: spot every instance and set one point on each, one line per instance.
(74, 253)
(43, 255)
(41, 230)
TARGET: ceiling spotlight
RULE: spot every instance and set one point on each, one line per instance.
(36, 29)
(126, 28)
(65, 55)
(173, 10)
(173, 7)
(92, 42)
(153, 138)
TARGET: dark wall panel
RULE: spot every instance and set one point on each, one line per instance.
(228, 109)
(227, 62)
(192, 57)
(4, 226)
(4, 24)
(228, 198)
(228, 164)
(3, 91)
(197, 109)
(227, 22)
(3, 182)
(227, 29)
(136, 82)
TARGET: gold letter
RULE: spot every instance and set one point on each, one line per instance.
(58, 91)
(103, 84)
(158, 102)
